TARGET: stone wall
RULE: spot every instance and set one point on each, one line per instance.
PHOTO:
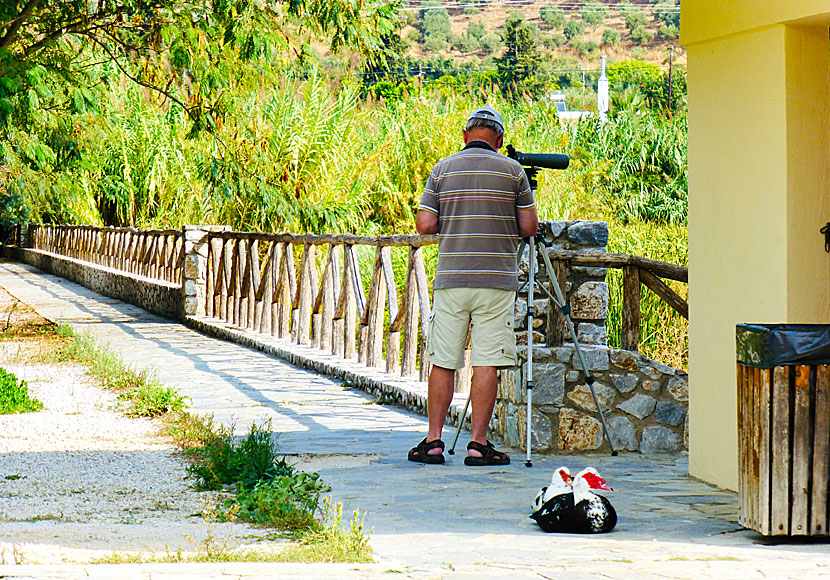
(162, 298)
(645, 403)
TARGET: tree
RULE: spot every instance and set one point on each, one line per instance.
(610, 37)
(593, 14)
(552, 15)
(573, 29)
(436, 28)
(52, 43)
(633, 16)
(517, 67)
(668, 13)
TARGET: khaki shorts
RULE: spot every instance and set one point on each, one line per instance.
(488, 315)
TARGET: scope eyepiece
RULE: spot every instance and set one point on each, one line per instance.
(543, 160)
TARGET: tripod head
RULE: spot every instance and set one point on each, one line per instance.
(533, 162)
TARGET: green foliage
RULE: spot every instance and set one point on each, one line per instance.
(152, 399)
(14, 395)
(642, 35)
(436, 28)
(573, 29)
(610, 37)
(518, 66)
(287, 501)
(668, 13)
(644, 176)
(668, 32)
(552, 15)
(633, 15)
(593, 13)
(332, 543)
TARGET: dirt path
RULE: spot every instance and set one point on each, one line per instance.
(81, 481)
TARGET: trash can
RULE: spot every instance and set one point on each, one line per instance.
(784, 427)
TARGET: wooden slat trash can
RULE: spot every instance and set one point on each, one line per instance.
(784, 428)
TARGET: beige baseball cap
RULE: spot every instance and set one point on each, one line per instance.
(486, 113)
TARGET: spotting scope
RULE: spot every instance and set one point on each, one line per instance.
(541, 160)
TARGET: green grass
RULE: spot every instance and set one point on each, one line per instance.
(14, 395)
(142, 391)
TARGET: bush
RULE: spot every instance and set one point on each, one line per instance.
(610, 37)
(642, 35)
(553, 16)
(573, 29)
(14, 395)
(593, 14)
(668, 32)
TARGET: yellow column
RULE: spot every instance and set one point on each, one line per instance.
(758, 158)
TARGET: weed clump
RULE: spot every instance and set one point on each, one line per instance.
(14, 395)
(269, 490)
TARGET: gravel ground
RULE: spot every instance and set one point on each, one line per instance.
(81, 481)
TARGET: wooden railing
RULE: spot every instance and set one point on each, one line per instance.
(253, 281)
(636, 271)
(154, 254)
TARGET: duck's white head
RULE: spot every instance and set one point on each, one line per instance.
(560, 483)
(592, 479)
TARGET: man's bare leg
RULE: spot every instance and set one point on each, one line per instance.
(439, 398)
(483, 400)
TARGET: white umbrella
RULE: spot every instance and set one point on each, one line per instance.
(602, 93)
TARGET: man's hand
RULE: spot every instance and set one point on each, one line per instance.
(528, 222)
(426, 222)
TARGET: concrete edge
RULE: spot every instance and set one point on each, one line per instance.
(157, 296)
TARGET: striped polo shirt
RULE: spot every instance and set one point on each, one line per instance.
(475, 193)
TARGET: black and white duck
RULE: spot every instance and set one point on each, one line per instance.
(592, 513)
(553, 506)
(561, 482)
(577, 511)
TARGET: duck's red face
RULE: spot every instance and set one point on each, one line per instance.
(595, 481)
(566, 477)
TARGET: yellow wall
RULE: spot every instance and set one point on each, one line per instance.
(758, 193)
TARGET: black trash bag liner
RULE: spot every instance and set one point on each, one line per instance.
(768, 345)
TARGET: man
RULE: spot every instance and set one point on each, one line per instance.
(479, 203)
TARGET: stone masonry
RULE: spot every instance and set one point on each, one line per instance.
(645, 403)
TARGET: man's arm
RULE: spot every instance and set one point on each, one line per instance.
(426, 222)
(527, 220)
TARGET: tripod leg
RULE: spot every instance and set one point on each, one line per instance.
(560, 299)
(531, 311)
(451, 450)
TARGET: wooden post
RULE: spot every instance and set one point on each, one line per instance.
(821, 453)
(630, 339)
(410, 324)
(780, 496)
(557, 326)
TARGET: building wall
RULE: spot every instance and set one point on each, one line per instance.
(758, 194)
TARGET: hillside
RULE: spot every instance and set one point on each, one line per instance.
(468, 33)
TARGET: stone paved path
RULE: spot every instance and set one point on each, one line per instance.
(447, 521)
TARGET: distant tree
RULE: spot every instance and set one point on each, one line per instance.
(491, 42)
(566, 72)
(553, 16)
(642, 35)
(668, 13)
(633, 16)
(475, 30)
(517, 67)
(436, 27)
(666, 32)
(610, 37)
(573, 29)
(593, 14)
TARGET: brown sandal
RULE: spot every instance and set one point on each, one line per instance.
(420, 453)
(489, 455)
